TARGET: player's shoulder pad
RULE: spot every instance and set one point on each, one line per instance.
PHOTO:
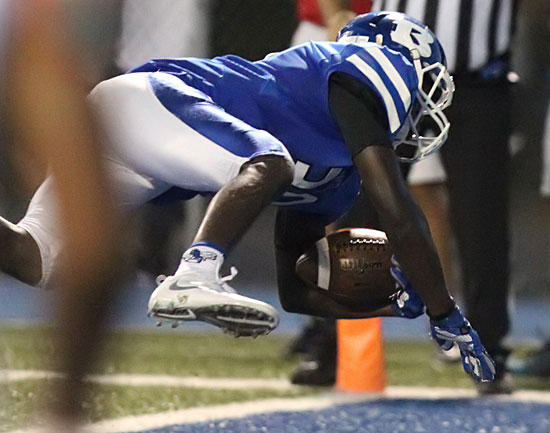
(387, 72)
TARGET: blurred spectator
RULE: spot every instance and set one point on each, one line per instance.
(162, 29)
(477, 37)
(321, 20)
(251, 28)
(55, 51)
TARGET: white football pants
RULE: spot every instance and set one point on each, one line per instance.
(149, 151)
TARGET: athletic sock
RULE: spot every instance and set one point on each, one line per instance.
(202, 259)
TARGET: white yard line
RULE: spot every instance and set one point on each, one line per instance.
(429, 393)
(241, 410)
(164, 380)
(7, 376)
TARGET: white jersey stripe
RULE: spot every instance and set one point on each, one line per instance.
(392, 74)
(375, 79)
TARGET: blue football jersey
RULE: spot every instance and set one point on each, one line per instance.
(286, 94)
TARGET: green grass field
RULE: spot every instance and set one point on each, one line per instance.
(181, 354)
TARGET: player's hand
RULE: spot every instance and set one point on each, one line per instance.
(455, 328)
(408, 303)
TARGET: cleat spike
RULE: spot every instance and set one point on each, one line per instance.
(159, 323)
(175, 324)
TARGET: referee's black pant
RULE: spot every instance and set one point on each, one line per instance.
(476, 158)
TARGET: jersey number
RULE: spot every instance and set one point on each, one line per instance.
(304, 181)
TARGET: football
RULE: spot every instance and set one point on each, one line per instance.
(353, 266)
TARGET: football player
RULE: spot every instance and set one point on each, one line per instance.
(302, 129)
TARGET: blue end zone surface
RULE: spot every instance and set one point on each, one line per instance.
(422, 416)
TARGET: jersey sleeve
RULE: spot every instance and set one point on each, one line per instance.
(358, 112)
(389, 76)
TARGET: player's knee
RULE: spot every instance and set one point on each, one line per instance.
(293, 301)
(289, 305)
(114, 93)
(20, 256)
(100, 92)
(282, 171)
(276, 170)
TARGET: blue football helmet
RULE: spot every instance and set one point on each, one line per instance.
(426, 127)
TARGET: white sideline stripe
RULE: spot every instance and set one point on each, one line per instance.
(7, 376)
(318, 402)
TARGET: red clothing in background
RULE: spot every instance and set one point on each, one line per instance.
(308, 10)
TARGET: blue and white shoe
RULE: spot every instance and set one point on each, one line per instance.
(194, 297)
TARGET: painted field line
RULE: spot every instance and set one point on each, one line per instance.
(211, 413)
(317, 402)
(7, 376)
(164, 380)
(429, 393)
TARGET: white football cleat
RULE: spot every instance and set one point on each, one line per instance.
(192, 296)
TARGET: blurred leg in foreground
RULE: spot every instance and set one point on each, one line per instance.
(51, 63)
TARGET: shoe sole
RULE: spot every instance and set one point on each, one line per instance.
(235, 320)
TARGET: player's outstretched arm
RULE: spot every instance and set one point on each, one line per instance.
(408, 233)
(405, 226)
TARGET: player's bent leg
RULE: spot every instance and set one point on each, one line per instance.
(197, 292)
(19, 256)
(186, 140)
(236, 206)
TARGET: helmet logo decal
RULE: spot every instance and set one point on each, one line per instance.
(412, 36)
